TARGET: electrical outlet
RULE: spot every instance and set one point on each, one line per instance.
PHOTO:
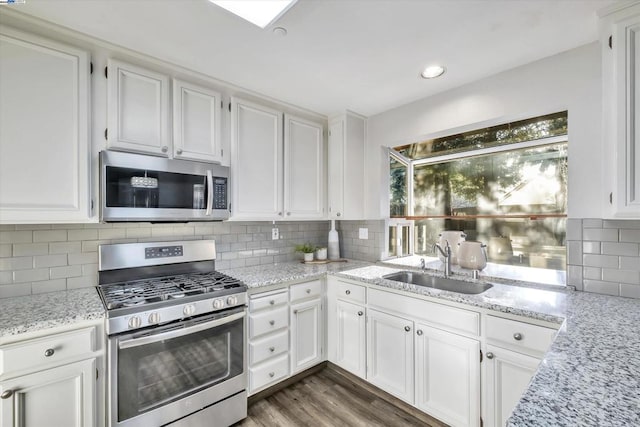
(363, 233)
(275, 234)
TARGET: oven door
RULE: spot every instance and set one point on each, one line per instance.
(160, 375)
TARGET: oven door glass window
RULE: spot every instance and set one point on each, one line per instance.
(159, 371)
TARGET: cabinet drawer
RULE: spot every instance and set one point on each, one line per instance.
(351, 292)
(267, 300)
(269, 373)
(439, 315)
(269, 346)
(518, 335)
(306, 290)
(268, 321)
(55, 349)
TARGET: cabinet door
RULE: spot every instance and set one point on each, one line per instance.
(44, 131)
(335, 168)
(448, 376)
(390, 354)
(256, 162)
(350, 338)
(196, 122)
(63, 396)
(506, 377)
(303, 169)
(306, 335)
(138, 109)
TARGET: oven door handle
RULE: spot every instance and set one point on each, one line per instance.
(137, 342)
(210, 193)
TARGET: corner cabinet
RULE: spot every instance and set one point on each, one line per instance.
(44, 144)
(620, 41)
(347, 139)
(277, 164)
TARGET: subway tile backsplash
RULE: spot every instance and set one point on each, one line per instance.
(603, 256)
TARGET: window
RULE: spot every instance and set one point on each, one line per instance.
(505, 186)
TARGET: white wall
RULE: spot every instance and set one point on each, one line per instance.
(567, 81)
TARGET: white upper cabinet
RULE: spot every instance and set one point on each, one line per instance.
(196, 122)
(138, 109)
(620, 39)
(346, 167)
(276, 173)
(303, 169)
(44, 130)
(256, 160)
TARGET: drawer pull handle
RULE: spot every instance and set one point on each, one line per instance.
(272, 349)
(407, 328)
(6, 394)
(49, 352)
(517, 336)
(419, 332)
(272, 302)
(489, 355)
(308, 291)
(348, 292)
(272, 374)
(360, 313)
(272, 322)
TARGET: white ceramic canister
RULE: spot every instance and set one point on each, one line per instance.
(453, 237)
(472, 255)
(321, 254)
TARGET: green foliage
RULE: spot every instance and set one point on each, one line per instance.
(306, 248)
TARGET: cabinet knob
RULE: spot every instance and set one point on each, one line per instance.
(348, 292)
(338, 214)
(419, 332)
(279, 213)
(308, 291)
(272, 374)
(360, 313)
(179, 151)
(489, 355)
(272, 322)
(272, 302)
(165, 149)
(272, 349)
(288, 213)
(517, 336)
(49, 352)
(6, 394)
(407, 328)
(295, 311)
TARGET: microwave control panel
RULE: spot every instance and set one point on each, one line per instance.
(219, 193)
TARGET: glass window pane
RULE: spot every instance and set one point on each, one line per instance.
(398, 187)
(509, 133)
(520, 182)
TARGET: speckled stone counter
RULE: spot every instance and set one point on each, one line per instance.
(591, 374)
(36, 312)
(273, 274)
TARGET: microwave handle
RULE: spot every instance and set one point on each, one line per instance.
(210, 193)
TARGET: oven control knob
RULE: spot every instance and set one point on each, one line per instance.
(232, 300)
(134, 322)
(154, 318)
(189, 310)
(218, 304)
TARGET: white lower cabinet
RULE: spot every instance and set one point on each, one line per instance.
(350, 338)
(62, 396)
(390, 354)
(306, 338)
(507, 375)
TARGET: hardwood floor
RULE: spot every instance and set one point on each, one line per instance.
(330, 398)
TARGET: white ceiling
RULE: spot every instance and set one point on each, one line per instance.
(361, 55)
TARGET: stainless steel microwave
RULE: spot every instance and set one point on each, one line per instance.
(135, 187)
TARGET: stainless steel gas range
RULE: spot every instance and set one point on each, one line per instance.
(176, 335)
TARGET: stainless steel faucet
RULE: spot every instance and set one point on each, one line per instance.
(446, 253)
(423, 266)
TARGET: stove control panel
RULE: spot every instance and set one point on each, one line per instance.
(163, 252)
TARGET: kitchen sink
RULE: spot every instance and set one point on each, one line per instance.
(436, 282)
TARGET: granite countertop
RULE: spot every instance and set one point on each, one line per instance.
(591, 374)
(41, 311)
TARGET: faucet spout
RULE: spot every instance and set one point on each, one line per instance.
(446, 253)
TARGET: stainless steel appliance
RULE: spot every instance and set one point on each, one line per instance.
(176, 335)
(136, 187)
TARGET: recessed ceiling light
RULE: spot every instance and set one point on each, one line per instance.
(432, 72)
(258, 12)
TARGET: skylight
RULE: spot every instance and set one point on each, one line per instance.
(258, 12)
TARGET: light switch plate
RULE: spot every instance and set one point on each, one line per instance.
(275, 234)
(363, 233)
